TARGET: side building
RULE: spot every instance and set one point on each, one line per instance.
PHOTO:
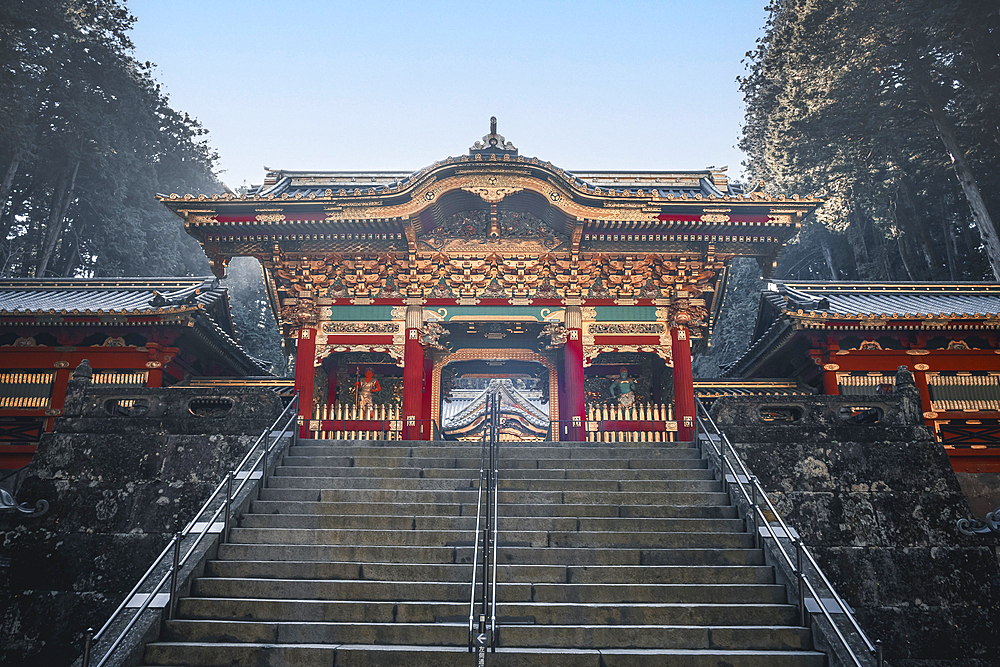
(848, 339)
(135, 332)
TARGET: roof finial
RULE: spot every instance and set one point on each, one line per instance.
(493, 141)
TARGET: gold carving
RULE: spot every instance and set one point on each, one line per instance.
(557, 335)
(492, 188)
(921, 367)
(831, 367)
(270, 217)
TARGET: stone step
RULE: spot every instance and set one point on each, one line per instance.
(507, 554)
(385, 463)
(607, 468)
(618, 574)
(288, 481)
(542, 613)
(591, 451)
(428, 591)
(446, 459)
(456, 634)
(540, 539)
(467, 496)
(361, 655)
(359, 553)
(468, 523)
(693, 469)
(510, 510)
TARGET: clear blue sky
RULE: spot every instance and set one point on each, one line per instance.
(399, 85)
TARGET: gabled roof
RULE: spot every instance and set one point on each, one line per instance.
(511, 402)
(709, 182)
(203, 302)
(787, 307)
(109, 296)
(855, 300)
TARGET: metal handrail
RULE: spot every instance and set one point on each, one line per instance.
(760, 519)
(496, 518)
(475, 544)
(173, 547)
(486, 517)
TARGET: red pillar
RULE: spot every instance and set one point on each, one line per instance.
(413, 375)
(305, 354)
(830, 385)
(920, 379)
(572, 377)
(573, 386)
(683, 383)
(58, 400)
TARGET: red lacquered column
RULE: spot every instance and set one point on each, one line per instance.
(683, 383)
(573, 375)
(413, 375)
(305, 354)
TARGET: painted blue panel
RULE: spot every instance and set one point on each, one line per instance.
(625, 313)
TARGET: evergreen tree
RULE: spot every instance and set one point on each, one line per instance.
(889, 109)
(86, 139)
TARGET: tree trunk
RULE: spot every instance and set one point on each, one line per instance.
(8, 180)
(60, 204)
(856, 239)
(950, 247)
(828, 256)
(914, 221)
(966, 178)
(69, 258)
(901, 243)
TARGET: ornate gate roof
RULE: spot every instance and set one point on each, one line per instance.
(493, 226)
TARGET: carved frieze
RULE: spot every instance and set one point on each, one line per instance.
(628, 328)
(360, 327)
(679, 282)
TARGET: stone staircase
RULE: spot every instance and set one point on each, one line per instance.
(359, 553)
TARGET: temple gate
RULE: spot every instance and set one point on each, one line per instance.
(408, 297)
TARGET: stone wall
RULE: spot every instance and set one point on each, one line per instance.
(877, 502)
(122, 471)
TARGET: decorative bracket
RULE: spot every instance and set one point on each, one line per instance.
(557, 333)
(430, 336)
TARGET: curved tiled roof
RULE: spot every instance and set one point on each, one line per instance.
(311, 184)
(119, 296)
(786, 306)
(847, 300)
(202, 299)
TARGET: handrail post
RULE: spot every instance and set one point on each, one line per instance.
(229, 498)
(758, 540)
(879, 658)
(88, 640)
(802, 588)
(171, 604)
